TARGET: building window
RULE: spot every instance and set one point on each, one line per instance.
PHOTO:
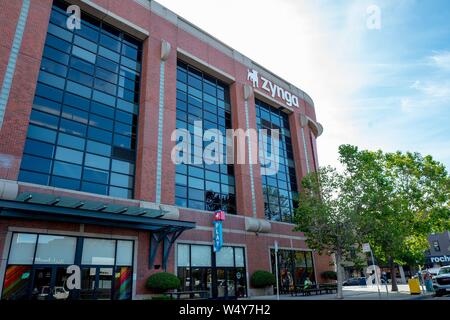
(82, 131)
(201, 97)
(37, 267)
(436, 246)
(294, 268)
(217, 275)
(280, 190)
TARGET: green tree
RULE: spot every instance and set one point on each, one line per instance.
(406, 197)
(329, 213)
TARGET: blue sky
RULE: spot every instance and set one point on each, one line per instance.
(386, 88)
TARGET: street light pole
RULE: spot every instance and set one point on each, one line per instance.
(276, 269)
(376, 273)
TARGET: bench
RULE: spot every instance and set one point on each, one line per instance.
(189, 295)
(320, 289)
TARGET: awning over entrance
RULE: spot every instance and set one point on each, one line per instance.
(45, 207)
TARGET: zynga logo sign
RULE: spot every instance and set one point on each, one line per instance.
(259, 81)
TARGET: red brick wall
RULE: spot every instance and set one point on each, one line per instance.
(13, 131)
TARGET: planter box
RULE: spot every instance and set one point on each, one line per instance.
(256, 292)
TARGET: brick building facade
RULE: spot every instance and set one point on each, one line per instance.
(129, 58)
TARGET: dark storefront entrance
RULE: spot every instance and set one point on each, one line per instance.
(294, 267)
(37, 268)
(220, 275)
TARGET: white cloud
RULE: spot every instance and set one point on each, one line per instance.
(321, 47)
(441, 60)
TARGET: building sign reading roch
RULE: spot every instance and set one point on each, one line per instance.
(272, 88)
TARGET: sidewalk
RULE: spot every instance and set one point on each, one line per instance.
(357, 293)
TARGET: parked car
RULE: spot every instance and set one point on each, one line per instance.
(441, 282)
(355, 282)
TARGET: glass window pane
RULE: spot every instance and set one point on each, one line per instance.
(124, 253)
(94, 188)
(22, 248)
(55, 250)
(99, 148)
(200, 256)
(67, 170)
(239, 257)
(224, 258)
(69, 155)
(122, 167)
(96, 161)
(98, 251)
(183, 255)
(95, 175)
(120, 192)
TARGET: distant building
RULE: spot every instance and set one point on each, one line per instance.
(439, 253)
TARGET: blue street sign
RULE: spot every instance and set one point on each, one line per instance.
(218, 238)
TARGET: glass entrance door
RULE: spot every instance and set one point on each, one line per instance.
(96, 283)
(226, 283)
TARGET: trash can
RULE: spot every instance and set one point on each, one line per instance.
(414, 286)
(429, 285)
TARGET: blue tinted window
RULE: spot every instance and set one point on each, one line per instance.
(279, 205)
(71, 141)
(39, 133)
(44, 119)
(46, 105)
(121, 180)
(33, 177)
(36, 164)
(82, 131)
(119, 192)
(122, 167)
(67, 170)
(94, 175)
(97, 161)
(39, 148)
(65, 183)
(209, 188)
(94, 188)
(69, 155)
(98, 148)
(49, 92)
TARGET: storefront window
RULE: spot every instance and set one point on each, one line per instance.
(124, 253)
(200, 256)
(183, 255)
(239, 257)
(221, 274)
(106, 268)
(224, 258)
(98, 251)
(294, 267)
(17, 283)
(55, 250)
(22, 248)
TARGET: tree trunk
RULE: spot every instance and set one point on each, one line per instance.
(393, 274)
(339, 275)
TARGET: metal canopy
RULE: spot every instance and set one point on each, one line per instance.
(36, 206)
(49, 207)
(74, 203)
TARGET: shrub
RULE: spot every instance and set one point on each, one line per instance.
(163, 297)
(329, 275)
(262, 279)
(162, 282)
